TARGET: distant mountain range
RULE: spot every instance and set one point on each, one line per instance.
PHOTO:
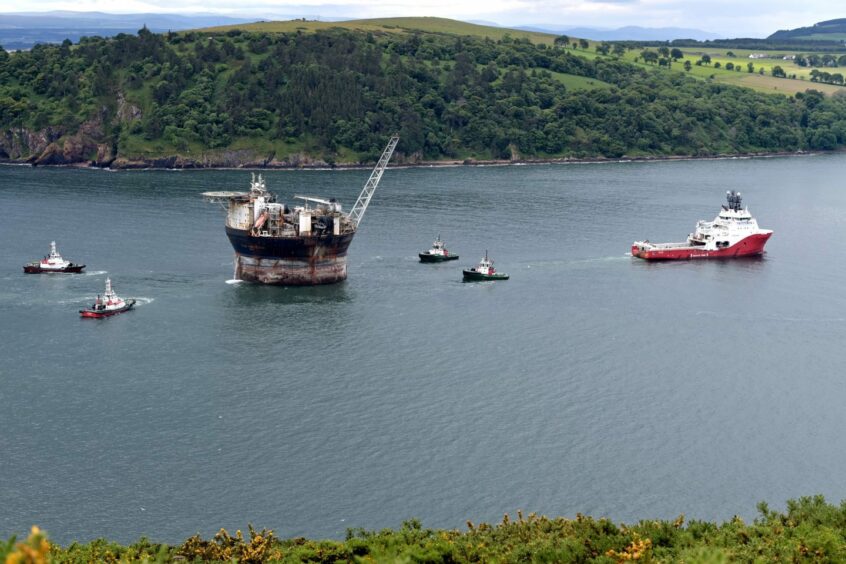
(23, 30)
(831, 30)
(631, 33)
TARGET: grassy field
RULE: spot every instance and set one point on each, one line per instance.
(392, 25)
(755, 80)
(774, 58)
(575, 82)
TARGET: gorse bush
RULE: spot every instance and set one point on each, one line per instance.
(811, 530)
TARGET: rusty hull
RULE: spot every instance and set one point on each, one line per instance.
(290, 261)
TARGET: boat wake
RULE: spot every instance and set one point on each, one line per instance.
(82, 300)
(143, 301)
(777, 318)
(604, 259)
(96, 273)
(234, 281)
(579, 262)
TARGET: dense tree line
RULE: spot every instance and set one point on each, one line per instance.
(340, 90)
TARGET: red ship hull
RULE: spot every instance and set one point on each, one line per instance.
(90, 313)
(750, 246)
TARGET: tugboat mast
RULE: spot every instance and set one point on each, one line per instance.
(357, 212)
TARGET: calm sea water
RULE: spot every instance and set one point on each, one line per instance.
(590, 382)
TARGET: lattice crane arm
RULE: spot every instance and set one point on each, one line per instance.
(360, 206)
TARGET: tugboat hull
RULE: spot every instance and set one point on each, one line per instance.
(473, 276)
(94, 314)
(750, 246)
(292, 261)
(36, 269)
(425, 257)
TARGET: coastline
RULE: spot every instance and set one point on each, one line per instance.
(175, 163)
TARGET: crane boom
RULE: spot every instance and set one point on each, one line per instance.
(360, 206)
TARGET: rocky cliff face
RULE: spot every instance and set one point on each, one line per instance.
(53, 146)
(90, 145)
(19, 144)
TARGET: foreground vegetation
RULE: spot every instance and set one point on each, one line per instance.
(810, 530)
(234, 98)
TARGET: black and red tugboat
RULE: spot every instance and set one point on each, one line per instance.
(110, 304)
(53, 263)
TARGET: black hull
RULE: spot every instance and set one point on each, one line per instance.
(290, 261)
(36, 269)
(424, 257)
(473, 276)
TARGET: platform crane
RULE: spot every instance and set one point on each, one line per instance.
(360, 206)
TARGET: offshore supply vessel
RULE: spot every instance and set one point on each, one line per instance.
(303, 245)
(733, 233)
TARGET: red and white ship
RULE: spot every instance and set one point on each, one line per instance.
(53, 263)
(110, 304)
(733, 233)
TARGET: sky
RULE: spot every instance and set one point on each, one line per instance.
(730, 18)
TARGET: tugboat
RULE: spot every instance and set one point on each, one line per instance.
(483, 271)
(53, 263)
(110, 304)
(438, 253)
(733, 233)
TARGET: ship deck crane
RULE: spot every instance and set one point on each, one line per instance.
(360, 206)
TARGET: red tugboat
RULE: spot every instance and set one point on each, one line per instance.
(733, 233)
(110, 304)
(53, 263)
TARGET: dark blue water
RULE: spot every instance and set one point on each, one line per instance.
(590, 382)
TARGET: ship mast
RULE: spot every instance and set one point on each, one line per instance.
(360, 206)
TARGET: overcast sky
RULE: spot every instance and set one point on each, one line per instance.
(746, 18)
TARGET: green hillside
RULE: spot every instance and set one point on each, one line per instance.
(332, 95)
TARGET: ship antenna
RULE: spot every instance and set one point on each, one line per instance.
(360, 206)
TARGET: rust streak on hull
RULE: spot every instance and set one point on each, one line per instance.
(297, 261)
(288, 272)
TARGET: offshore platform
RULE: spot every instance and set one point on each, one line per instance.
(303, 245)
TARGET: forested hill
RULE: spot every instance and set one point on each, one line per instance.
(832, 30)
(334, 96)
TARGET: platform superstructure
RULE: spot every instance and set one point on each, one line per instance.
(298, 245)
(733, 233)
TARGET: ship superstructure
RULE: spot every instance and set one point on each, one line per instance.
(733, 233)
(298, 245)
